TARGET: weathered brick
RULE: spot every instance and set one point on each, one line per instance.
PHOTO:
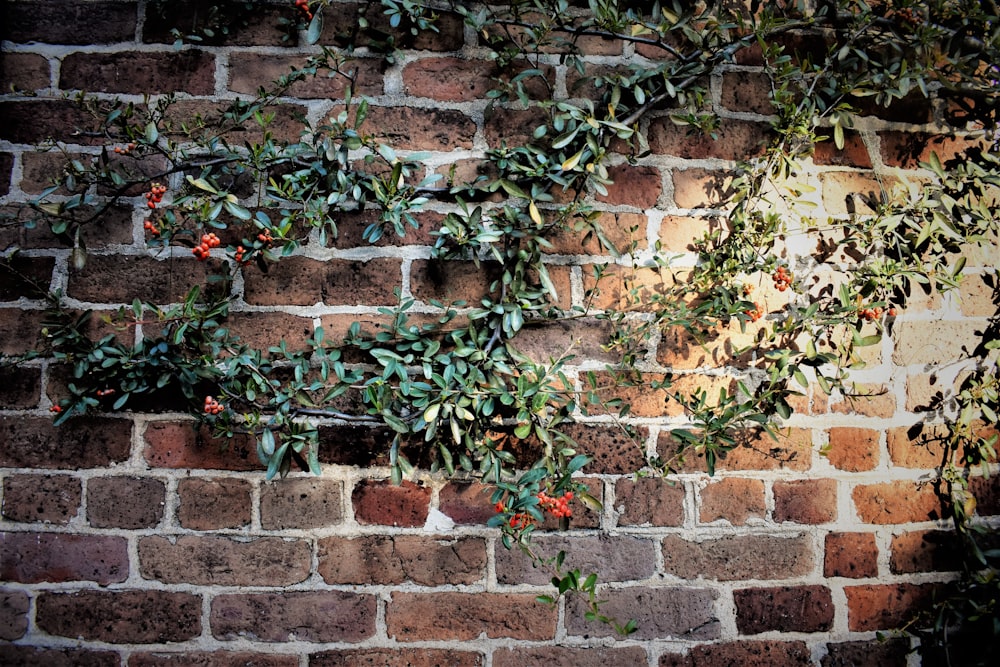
(916, 343)
(73, 22)
(181, 445)
(397, 657)
(925, 551)
(23, 72)
(884, 652)
(189, 71)
(249, 70)
(869, 400)
(379, 502)
(807, 501)
(621, 229)
(702, 188)
(312, 616)
(747, 91)
(737, 140)
(649, 501)
(584, 339)
(986, 491)
(738, 557)
(212, 659)
(977, 295)
(35, 557)
(853, 555)
(896, 502)
(448, 281)
(853, 449)
(121, 617)
(28, 656)
(679, 233)
(410, 128)
(13, 615)
(774, 653)
(33, 442)
(511, 126)
(885, 606)
(265, 561)
(851, 191)
(464, 616)
(125, 502)
(213, 504)
(20, 387)
(300, 281)
(612, 451)
(395, 559)
(734, 499)
(285, 122)
(115, 226)
(301, 503)
(120, 279)
(783, 609)
(638, 186)
(448, 79)
(565, 656)
(660, 613)
(615, 558)
(6, 163)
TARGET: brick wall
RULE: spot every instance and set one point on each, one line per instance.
(131, 539)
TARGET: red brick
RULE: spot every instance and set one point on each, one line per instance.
(909, 149)
(883, 652)
(31, 558)
(213, 504)
(448, 79)
(410, 128)
(285, 122)
(637, 186)
(13, 615)
(188, 71)
(870, 400)
(466, 503)
(614, 558)
(565, 656)
(806, 501)
(511, 127)
(465, 616)
(397, 657)
(379, 502)
(649, 501)
(702, 188)
(121, 616)
(29, 656)
(303, 502)
(448, 281)
(221, 561)
(180, 445)
(986, 491)
(747, 91)
(743, 653)
(853, 555)
(120, 279)
(212, 659)
(125, 502)
(26, 72)
(248, 71)
(739, 557)
(896, 502)
(885, 606)
(853, 449)
(33, 442)
(918, 446)
(620, 229)
(853, 154)
(733, 499)
(69, 22)
(783, 609)
(737, 140)
(395, 559)
(300, 281)
(312, 616)
(925, 551)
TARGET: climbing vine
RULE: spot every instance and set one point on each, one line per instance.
(455, 389)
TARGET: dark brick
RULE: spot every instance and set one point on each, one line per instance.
(257, 26)
(738, 557)
(220, 561)
(661, 613)
(397, 657)
(379, 502)
(125, 502)
(213, 504)
(612, 451)
(212, 659)
(23, 72)
(466, 616)
(633, 186)
(314, 616)
(6, 163)
(395, 559)
(360, 446)
(20, 387)
(925, 551)
(27, 277)
(69, 21)
(422, 129)
(33, 442)
(564, 656)
(737, 140)
(13, 615)
(614, 558)
(784, 609)
(649, 501)
(806, 501)
(19, 330)
(121, 617)
(31, 558)
(120, 279)
(744, 654)
(301, 503)
(38, 120)
(304, 282)
(12, 655)
(188, 71)
(886, 652)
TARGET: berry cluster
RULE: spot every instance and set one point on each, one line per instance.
(756, 313)
(265, 237)
(155, 195)
(151, 228)
(303, 5)
(240, 252)
(871, 314)
(557, 507)
(782, 279)
(208, 241)
(56, 409)
(212, 406)
(127, 150)
(907, 15)
(101, 393)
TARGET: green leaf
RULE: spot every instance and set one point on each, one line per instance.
(315, 29)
